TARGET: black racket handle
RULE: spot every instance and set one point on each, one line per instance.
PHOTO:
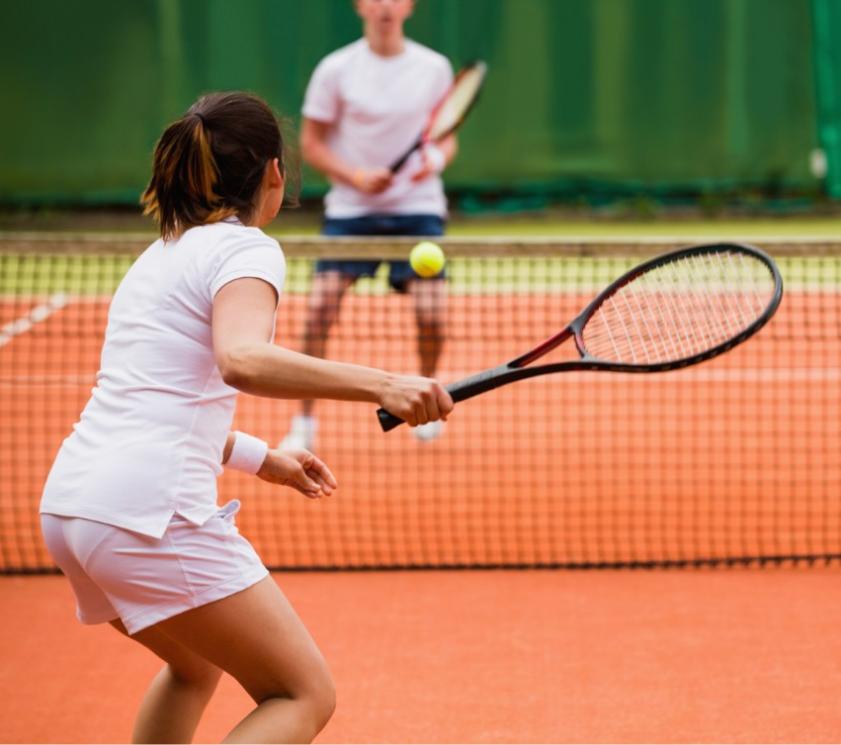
(401, 161)
(461, 390)
(388, 421)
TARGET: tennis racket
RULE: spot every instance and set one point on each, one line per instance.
(672, 311)
(450, 111)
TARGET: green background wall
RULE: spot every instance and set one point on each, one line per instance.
(680, 96)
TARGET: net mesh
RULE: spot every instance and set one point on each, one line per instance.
(681, 308)
(734, 460)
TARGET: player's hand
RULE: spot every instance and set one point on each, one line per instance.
(432, 162)
(416, 400)
(298, 469)
(372, 181)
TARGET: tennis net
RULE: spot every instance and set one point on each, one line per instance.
(737, 460)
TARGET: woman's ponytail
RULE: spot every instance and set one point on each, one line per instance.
(209, 164)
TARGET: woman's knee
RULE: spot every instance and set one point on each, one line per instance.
(429, 316)
(323, 309)
(319, 702)
(314, 702)
(315, 692)
(324, 703)
(430, 327)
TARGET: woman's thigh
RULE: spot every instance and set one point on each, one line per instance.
(257, 637)
(185, 664)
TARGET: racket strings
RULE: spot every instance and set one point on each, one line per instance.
(680, 309)
(453, 108)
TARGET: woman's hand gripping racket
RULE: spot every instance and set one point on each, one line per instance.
(675, 310)
(450, 111)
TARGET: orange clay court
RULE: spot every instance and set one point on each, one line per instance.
(737, 461)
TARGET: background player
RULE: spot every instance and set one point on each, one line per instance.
(365, 104)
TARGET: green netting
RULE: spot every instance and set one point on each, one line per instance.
(617, 95)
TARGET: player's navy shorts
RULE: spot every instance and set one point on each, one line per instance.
(400, 272)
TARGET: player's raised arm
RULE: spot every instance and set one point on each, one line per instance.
(317, 152)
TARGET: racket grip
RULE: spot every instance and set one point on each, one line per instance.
(401, 161)
(463, 389)
(388, 421)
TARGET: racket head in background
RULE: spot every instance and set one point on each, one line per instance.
(455, 106)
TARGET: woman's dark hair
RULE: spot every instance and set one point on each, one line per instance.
(209, 164)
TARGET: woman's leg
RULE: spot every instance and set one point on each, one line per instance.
(178, 694)
(256, 636)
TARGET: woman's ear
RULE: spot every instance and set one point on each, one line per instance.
(275, 175)
(271, 194)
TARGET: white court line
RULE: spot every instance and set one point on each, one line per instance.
(38, 314)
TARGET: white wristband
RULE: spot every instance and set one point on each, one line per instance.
(248, 453)
(436, 161)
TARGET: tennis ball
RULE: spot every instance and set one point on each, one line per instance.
(427, 259)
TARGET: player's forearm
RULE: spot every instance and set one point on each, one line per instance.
(229, 445)
(323, 159)
(269, 370)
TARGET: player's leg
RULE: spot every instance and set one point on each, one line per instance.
(256, 636)
(430, 301)
(325, 298)
(429, 297)
(323, 304)
(97, 559)
(177, 697)
(331, 281)
(332, 278)
(179, 693)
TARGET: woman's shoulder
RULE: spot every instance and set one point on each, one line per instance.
(252, 244)
(226, 250)
(218, 244)
(227, 233)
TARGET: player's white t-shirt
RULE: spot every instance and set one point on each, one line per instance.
(149, 441)
(378, 107)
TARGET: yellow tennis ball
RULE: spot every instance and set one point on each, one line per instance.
(427, 259)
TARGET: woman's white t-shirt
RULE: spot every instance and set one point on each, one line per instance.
(377, 107)
(149, 441)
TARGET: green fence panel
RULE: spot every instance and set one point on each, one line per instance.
(666, 96)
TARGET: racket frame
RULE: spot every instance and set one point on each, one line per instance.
(518, 369)
(424, 136)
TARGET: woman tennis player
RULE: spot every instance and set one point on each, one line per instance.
(129, 509)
